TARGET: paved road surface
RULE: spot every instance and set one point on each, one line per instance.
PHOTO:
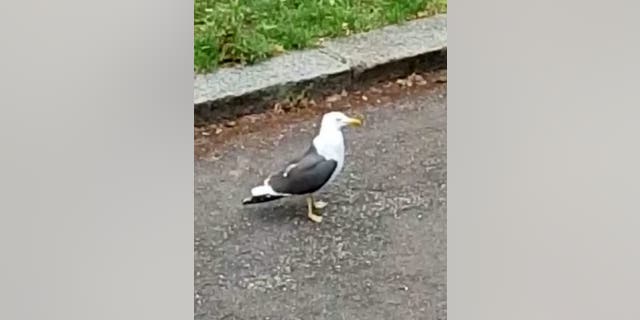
(380, 252)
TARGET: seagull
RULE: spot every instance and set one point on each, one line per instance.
(316, 168)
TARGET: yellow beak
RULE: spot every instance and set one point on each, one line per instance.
(354, 122)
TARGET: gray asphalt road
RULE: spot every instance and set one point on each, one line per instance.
(380, 252)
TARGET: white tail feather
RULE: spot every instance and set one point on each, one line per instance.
(262, 190)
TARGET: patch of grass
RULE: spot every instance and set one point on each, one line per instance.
(247, 31)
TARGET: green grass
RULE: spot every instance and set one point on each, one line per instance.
(248, 31)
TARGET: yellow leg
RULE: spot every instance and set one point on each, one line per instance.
(310, 206)
(319, 204)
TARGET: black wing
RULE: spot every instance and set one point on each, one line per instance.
(305, 175)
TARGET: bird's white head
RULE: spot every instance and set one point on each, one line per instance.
(337, 120)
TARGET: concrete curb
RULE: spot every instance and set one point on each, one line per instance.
(344, 63)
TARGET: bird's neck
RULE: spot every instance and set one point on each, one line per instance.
(329, 142)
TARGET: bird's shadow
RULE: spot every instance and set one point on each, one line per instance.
(290, 210)
(287, 210)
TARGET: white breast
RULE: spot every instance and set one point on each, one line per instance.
(331, 146)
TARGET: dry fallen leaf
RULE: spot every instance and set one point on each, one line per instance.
(253, 118)
(303, 103)
(277, 108)
(213, 157)
(334, 98)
